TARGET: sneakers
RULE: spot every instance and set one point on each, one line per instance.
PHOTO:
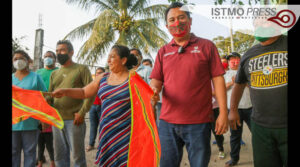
(230, 163)
(221, 155)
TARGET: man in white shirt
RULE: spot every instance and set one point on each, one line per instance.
(244, 108)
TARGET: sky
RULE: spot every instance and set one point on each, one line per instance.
(59, 18)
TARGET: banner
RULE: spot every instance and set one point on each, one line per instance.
(144, 145)
(31, 103)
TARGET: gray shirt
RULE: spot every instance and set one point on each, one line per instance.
(264, 68)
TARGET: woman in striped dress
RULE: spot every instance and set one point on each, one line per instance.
(115, 122)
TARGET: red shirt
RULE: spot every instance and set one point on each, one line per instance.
(186, 77)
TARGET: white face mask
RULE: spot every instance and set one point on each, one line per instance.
(20, 64)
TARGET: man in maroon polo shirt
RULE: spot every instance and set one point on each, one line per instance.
(185, 67)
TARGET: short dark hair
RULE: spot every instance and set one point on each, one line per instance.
(123, 51)
(138, 50)
(54, 55)
(145, 60)
(66, 42)
(175, 5)
(22, 52)
(233, 54)
(100, 68)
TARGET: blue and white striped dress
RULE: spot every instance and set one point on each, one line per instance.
(115, 124)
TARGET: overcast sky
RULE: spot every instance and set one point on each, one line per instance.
(59, 18)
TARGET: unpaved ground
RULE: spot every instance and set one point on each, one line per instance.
(246, 159)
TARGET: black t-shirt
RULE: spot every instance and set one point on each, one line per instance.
(264, 68)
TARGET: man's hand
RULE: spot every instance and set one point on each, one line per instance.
(221, 124)
(155, 98)
(78, 119)
(234, 119)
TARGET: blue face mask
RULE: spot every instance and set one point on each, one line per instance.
(48, 61)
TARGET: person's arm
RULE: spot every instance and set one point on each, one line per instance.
(79, 93)
(236, 95)
(156, 86)
(230, 84)
(220, 91)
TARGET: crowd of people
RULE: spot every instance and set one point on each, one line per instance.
(196, 93)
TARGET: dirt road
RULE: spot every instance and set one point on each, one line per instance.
(246, 159)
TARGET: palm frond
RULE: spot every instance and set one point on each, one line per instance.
(100, 39)
(81, 31)
(154, 11)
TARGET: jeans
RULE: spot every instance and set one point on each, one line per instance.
(45, 140)
(95, 113)
(173, 137)
(70, 138)
(219, 138)
(236, 135)
(270, 146)
(27, 141)
(158, 108)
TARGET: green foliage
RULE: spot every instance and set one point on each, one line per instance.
(183, 1)
(242, 42)
(16, 44)
(127, 22)
(250, 2)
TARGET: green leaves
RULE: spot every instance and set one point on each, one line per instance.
(128, 22)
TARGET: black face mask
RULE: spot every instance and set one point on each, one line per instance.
(62, 58)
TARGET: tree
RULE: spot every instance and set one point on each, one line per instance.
(133, 22)
(242, 42)
(183, 1)
(16, 44)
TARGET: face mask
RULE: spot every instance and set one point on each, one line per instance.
(20, 64)
(48, 61)
(225, 65)
(62, 58)
(262, 34)
(179, 29)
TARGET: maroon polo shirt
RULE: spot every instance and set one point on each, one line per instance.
(186, 77)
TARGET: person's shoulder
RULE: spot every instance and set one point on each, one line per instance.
(40, 70)
(33, 74)
(251, 52)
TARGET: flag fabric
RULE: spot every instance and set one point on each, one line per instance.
(31, 103)
(144, 145)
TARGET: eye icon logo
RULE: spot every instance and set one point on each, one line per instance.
(285, 18)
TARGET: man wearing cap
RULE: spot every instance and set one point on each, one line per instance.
(244, 108)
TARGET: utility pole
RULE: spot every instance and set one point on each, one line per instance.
(38, 46)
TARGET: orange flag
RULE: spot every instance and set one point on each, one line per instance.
(31, 103)
(144, 145)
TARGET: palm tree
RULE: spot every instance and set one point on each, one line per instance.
(133, 22)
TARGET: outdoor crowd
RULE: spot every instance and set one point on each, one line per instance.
(195, 93)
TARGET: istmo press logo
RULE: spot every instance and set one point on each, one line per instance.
(246, 18)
